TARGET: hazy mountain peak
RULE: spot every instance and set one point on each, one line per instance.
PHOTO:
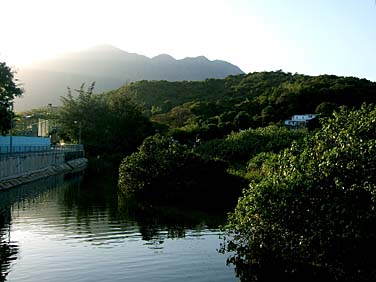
(202, 58)
(104, 48)
(197, 59)
(164, 57)
(110, 67)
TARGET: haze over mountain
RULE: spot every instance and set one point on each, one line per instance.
(110, 68)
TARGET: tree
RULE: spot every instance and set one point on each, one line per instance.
(8, 91)
(75, 114)
(312, 215)
(326, 108)
(243, 120)
(164, 171)
(106, 123)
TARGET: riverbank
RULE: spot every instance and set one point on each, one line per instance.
(69, 166)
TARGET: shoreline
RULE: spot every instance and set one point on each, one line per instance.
(69, 166)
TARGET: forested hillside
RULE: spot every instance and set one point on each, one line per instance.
(252, 100)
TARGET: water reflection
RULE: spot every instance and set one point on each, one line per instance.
(8, 249)
(80, 223)
(166, 222)
(20, 198)
(98, 211)
(8, 198)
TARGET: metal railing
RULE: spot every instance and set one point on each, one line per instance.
(68, 147)
(6, 150)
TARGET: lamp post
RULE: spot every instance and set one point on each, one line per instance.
(11, 129)
(24, 127)
(79, 133)
(79, 130)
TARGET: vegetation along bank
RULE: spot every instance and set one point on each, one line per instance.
(304, 197)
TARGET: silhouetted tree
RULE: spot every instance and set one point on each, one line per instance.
(8, 91)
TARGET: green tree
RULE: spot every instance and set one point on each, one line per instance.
(242, 120)
(9, 89)
(126, 126)
(326, 108)
(312, 215)
(165, 171)
(81, 114)
(106, 123)
(239, 147)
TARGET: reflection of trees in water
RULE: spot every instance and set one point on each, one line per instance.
(95, 206)
(157, 223)
(10, 197)
(95, 201)
(94, 196)
(8, 249)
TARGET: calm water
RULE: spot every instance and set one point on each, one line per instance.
(78, 229)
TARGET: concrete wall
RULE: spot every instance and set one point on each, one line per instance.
(18, 164)
(31, 176)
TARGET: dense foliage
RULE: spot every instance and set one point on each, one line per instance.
(108, 123)
(194, 112)
(165, 171)
(309, 211)
(8, 91)
(312, 216)
(240, 146)
(242, 101)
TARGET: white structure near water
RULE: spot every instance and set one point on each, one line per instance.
(43, 127)
(298, 121)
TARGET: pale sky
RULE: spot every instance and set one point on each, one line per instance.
(305, 36)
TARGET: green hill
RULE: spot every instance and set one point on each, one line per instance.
(252, 100)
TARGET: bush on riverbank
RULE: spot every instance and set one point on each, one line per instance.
(312, 216)
(166, 171)
(240, 146)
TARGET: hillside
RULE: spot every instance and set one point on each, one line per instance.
(110, 67)
(252, 100)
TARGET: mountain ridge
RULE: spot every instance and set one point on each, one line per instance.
(46, 81)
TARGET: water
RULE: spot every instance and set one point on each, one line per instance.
(78, 229)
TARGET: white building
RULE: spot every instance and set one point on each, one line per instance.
(43, 127)
(297, 121)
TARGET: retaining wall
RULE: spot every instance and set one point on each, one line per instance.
(33, 175)
(18, 164)
(22, 167)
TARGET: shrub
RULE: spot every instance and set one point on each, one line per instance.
(165, 171)
(313, 214)
(243, 145)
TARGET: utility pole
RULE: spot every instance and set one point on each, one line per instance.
(79, 130)
(11, 129)
(79, 134)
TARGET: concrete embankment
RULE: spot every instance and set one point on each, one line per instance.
(22, 175)
(17, 164)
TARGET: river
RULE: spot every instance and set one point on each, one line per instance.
(77, 228)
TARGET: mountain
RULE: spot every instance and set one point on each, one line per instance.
(110, 68)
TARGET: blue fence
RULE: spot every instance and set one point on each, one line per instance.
(19, 144)
(7, 150)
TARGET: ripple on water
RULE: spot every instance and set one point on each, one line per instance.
(67, 233)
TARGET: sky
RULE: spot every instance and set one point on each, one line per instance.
(305, 36)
